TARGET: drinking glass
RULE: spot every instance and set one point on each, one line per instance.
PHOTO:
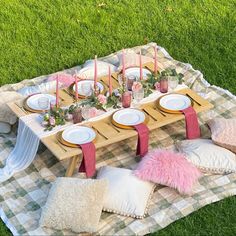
(138, 95)
(86, 112)
(172, 82)
(43, 103)
(77, 116)
(126, 99)
(164, 85)
(130, 80)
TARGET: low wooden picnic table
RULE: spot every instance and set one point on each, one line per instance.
(107, 133)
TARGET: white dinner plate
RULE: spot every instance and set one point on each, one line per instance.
(84, 86)
(129, 117)
(78, 135)
(135, 71)
(175, 102)
(32, 101)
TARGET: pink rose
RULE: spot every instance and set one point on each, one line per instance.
(102, 99)
(92, 112)
(52, 121)
(137, 86)
(157, 86)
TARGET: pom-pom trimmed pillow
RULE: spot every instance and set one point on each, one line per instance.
(127, 195)
(168, 168)
(207, 156)
(74, 204)
(224, 132)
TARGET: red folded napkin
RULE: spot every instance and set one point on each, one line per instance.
(143, 138)
(191, 122)
(88, 164)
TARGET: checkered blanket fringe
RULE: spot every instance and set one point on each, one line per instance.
(23, 196)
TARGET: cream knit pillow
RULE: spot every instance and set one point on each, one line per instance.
(223, 132)
(74, 204)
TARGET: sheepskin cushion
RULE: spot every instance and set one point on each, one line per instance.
(87, 72)
(127, 195)
(6, 114)
(223, 132)
(5, 128)
(168, 168)
(74, 204)
(207, 156)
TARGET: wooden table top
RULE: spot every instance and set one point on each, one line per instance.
(107, 133)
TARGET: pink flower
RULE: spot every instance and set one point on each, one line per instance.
(102, 99)
(157, 86)
(137, 86)
(52, 121)
(92, 112)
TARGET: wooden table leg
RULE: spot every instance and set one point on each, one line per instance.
(72, 165)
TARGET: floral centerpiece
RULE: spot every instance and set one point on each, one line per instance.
(55, 116)
(103, 102)
(152, 81)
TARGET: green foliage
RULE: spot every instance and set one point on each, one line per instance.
(113, 101)
(171, 72)
(53, 118)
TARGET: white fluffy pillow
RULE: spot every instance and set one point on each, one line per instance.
(127, 195)
(207, 156)
(74, 204)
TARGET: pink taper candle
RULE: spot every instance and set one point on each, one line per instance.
(76, 88)
(110, 83)
(155, 60)
(57, 91)
(141, 66)
(95, 73)
(123, 64)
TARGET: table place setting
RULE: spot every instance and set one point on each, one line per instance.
(142, 99)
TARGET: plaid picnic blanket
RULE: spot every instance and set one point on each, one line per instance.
(23, 196)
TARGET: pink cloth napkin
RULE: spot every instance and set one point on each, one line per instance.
(143, 138)
(191, 122)
(88, 164)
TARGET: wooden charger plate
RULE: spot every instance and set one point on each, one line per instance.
(167, 110)
(68, 144)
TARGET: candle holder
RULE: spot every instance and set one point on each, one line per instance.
(96, 91)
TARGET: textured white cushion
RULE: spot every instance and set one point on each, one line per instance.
(5, 128)
(74, 204)
(207, 156)
(41, 88)
(127, 195)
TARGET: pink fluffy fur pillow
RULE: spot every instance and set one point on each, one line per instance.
(63, 78)
(168, 168)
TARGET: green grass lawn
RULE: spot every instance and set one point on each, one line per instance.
(41, 36)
